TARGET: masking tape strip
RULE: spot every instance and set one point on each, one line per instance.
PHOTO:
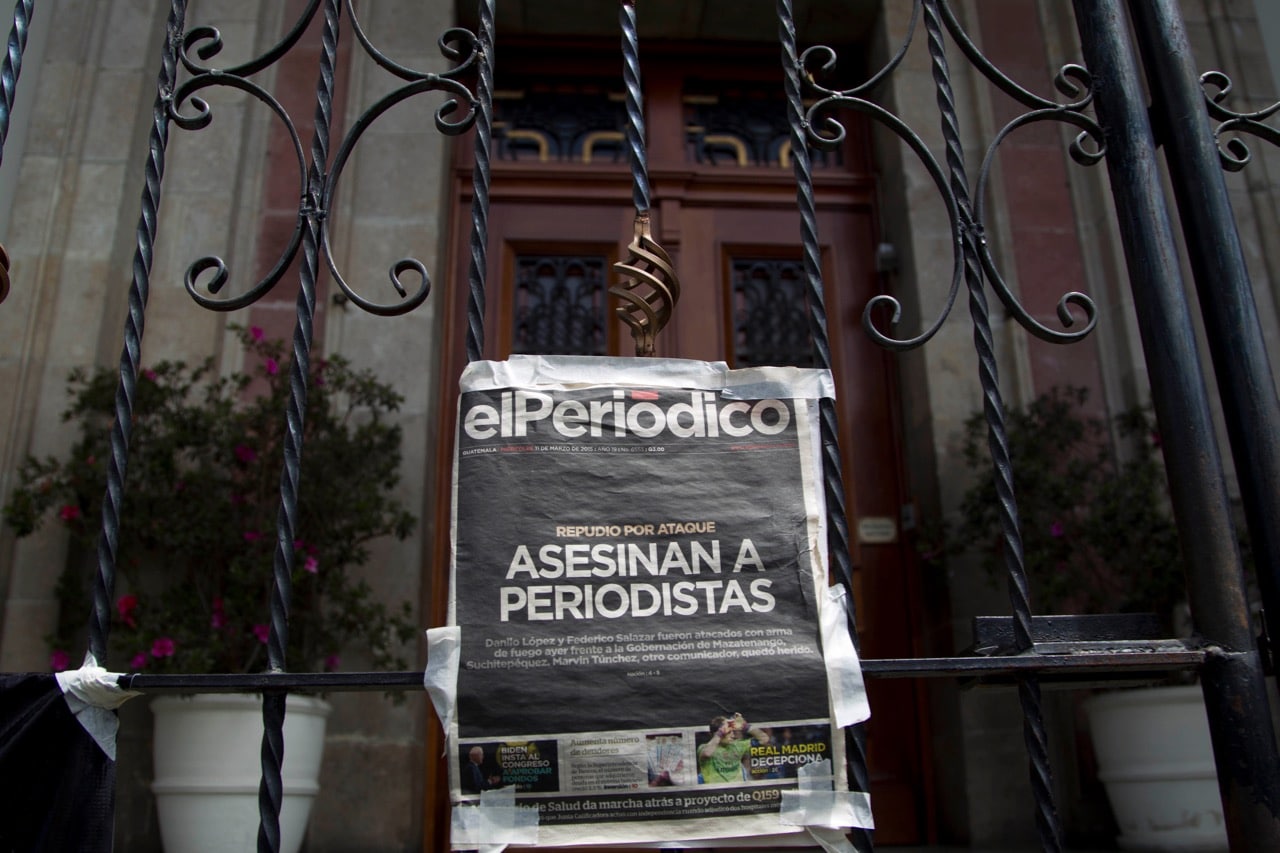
(831, 840)
(826, 808)
(815, 776)
(92, 694)
(558, 372)
(816, 804)
(844, 669)
(444, 650)
(495, 823)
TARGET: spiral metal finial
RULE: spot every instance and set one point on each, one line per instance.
(648, 286)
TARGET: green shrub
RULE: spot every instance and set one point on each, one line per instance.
(198, 523)
(1096, 530)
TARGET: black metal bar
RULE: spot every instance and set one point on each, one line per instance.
(1245, 754)
(478, 264)
(271, 788)
(1084, 662)
(139, 289)
(829, 435)
(12, 66)
(648, 287)
(635, 106)
(1245, 381)
(997, 634)
(1048, 823)
(984, 343)
(9, 72)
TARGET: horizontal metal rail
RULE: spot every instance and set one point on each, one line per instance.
(1082, 661)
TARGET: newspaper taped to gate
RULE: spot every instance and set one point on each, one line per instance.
(638, 577)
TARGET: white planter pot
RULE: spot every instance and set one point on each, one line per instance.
(207, 752)
(1155, 759)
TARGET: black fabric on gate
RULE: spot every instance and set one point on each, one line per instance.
(57, 787)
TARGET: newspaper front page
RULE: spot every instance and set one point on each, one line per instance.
(637, 575)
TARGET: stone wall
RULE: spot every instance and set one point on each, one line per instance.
(226, 192)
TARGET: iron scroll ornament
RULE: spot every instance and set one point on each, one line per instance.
(824, 131)
(206, 277)
(1234, 153)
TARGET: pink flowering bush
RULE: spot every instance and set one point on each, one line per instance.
(198, 526)
(1096, 531)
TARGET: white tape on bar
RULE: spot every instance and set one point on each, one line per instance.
(92, 694)
(558, 372)
(494, 824)
(832, 809)
(831, 840)
(441, 676)
(816, 804)
(844, 669)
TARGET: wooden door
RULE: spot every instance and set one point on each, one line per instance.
(724, 207)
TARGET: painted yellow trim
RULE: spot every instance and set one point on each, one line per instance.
(589, 143)
(544, 150)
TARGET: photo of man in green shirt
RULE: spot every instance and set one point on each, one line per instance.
(720, 759)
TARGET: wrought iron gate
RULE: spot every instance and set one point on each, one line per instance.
(1103, 99)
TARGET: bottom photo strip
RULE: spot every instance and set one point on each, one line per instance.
(723, 780)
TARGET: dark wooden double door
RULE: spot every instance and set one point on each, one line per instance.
(724, 206)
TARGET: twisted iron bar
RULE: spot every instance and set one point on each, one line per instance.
(270, 790)
(139, 290)
(12, 65)
(9, 72)
(970, 235)
(648, 287)
(1047, 821)
(634, 106)
(832, 478)
(479, 245)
